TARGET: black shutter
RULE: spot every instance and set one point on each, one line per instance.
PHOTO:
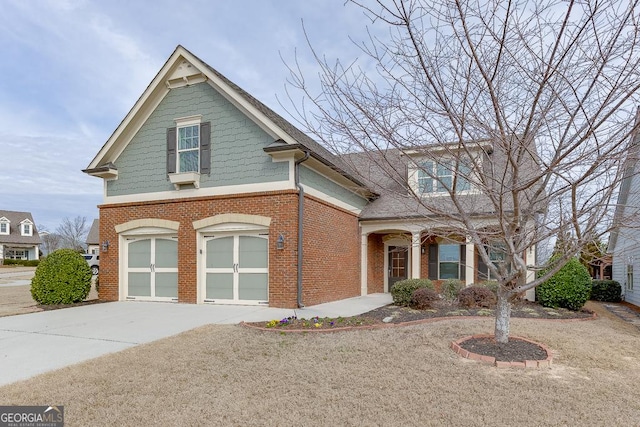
(483, 271)
(171, 150)
(205, 148)
(463, 262)
(433, 262)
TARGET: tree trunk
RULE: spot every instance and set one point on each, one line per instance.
(503, 319)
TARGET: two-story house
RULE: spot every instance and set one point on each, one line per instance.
(19, 237)
(212, 197)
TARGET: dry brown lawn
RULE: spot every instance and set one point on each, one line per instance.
(17, 300)
(230, 375)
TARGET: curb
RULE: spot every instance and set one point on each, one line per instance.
(536, 364)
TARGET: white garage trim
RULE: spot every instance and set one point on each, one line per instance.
(234, 270)
(262, 221)
(148, 222)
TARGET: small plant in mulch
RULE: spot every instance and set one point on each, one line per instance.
(295, 322)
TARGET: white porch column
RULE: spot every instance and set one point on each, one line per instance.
(415, 255)
(364, 266)
(470, 262)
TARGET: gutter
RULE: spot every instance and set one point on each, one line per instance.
(300, 227)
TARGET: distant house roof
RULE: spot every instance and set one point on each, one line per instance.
(93, 238)
(15, 236)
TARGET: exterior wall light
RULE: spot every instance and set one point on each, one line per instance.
(105, 246)
(280, 242)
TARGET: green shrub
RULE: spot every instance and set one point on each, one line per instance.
(606, 290)
(568, 288)
(24, 262)
(64, 277)
(403, 290)
(450, 288)
(476, 296)
(422, 298)
(492, 285)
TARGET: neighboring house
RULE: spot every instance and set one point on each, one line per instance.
(93, 238)
(19, 238)
(210, 196)
(624, 241)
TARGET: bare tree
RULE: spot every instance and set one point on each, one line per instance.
(514, 118)
(50, 241)
(73, 232)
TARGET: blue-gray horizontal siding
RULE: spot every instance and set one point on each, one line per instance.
(236, 145)
(628, 245)
(319, 182)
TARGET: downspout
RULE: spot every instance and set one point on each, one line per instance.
(300, 219)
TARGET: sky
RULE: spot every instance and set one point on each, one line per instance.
(72, 69)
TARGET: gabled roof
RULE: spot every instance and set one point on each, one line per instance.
(15, 237)
(93, 238)
(173, 72)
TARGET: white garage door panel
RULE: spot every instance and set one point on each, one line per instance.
(237, 269)
(152, 268)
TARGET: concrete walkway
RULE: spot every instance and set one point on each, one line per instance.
(624, 312)
(31, 344)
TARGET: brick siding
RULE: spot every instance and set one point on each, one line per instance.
(331, 258)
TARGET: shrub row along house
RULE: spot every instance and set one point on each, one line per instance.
(210, 196)
(19, 238)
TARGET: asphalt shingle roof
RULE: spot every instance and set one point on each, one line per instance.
(15, 237)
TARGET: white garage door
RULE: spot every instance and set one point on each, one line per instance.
(236, 269)
(152, 268)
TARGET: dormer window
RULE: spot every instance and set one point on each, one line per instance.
(26, 228)
(439, 177)
(4, 225)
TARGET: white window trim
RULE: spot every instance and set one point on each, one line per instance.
(185, 178)
(4, 220)
(23, 225)
(182, 123)
(414, 177)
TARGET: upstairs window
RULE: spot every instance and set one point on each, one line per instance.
(438, 177)
(26, 228)
(189, 149)
(4, 225)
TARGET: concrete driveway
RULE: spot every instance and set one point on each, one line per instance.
(34, 343)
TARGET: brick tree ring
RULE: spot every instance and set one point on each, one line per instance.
(518, 353)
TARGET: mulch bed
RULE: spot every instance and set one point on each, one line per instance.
(48, 307)
(515, 350)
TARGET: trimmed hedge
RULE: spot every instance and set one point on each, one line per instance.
(422, 298)
(476, 296)
(24, 262)
(568, 288)
(450, 289)
(606, 290)
(403, 290)
(64, 277)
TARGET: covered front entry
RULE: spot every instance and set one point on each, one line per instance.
(152, 268)
(236, 268)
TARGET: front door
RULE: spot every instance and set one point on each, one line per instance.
(398, 260)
